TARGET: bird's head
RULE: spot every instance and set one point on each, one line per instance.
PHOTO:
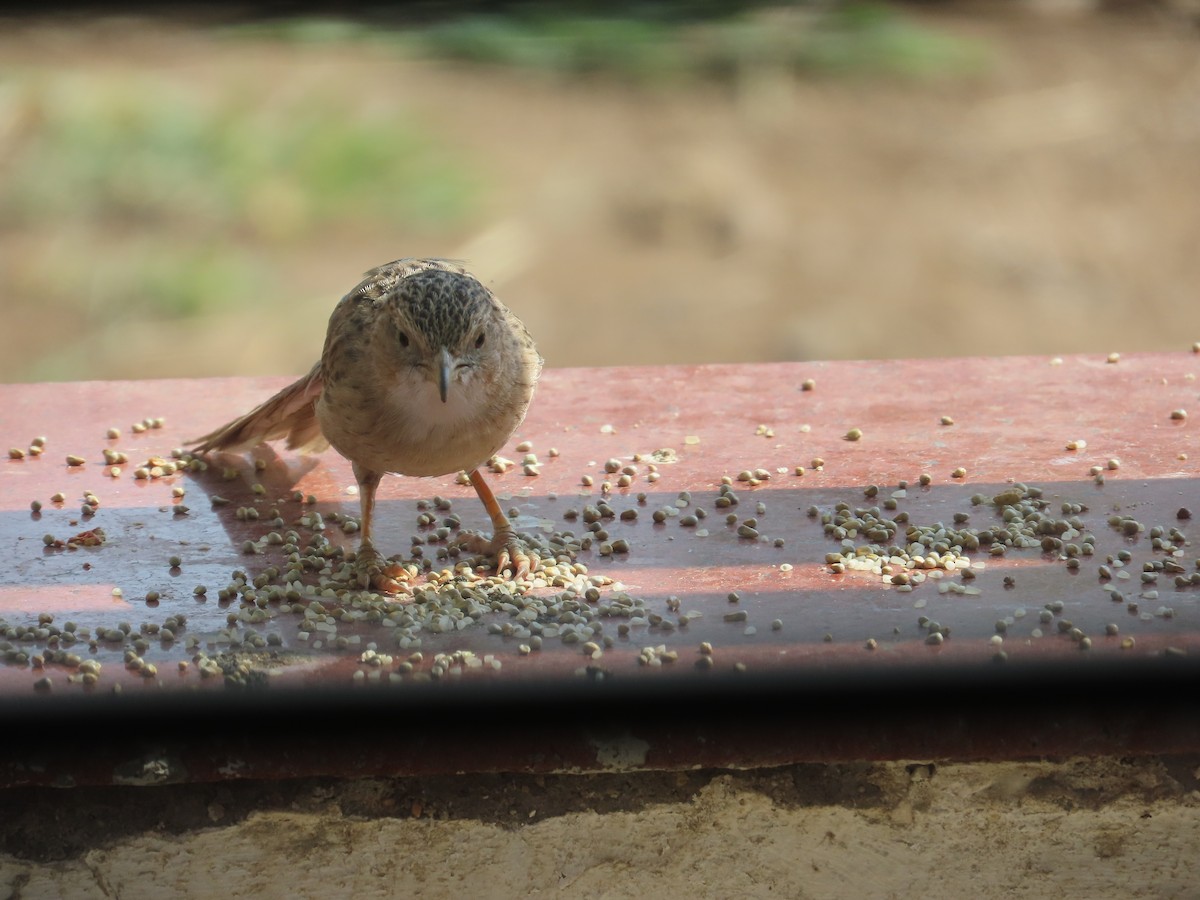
(442, 327)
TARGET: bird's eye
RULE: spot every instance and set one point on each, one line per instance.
(403, 339)
(479, 341)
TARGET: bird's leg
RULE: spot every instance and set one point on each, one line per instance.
(504, 545)
(372, 569)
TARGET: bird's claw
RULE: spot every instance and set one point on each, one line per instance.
(510, 554)
(373, 570)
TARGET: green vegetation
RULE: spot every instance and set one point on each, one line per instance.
(645, 42)
(117, 147)
(192, 176)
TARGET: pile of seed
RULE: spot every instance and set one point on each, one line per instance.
(900, 549)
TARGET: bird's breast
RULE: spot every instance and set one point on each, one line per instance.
(406, 428)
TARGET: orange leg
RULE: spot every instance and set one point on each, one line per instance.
(373, 569)
(368, 484)
(509, 552)
(483, 489)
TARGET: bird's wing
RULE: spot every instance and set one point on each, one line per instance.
(291, 413)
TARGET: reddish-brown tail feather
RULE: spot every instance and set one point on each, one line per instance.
(292, 413)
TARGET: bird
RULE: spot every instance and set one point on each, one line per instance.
(424, 372)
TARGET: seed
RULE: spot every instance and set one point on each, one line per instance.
(777, 625)
(947, 420)
(1183, 513)
(73, 460)
(586, 481)
(808, 384)
(16, 453)
(1179, 414)
(925, 480)
(1113, 358)
(960, 472)
(174, 562)
(817, 463)
(1114, 464)
(854, 434)
(1076, 445)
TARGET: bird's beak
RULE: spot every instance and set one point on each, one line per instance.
(445, 367)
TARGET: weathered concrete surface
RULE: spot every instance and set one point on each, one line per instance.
(1095, 828)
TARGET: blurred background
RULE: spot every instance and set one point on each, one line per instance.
(640, 182)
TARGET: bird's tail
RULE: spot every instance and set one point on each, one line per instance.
(292, 413)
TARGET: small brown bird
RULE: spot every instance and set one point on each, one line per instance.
(424, 372)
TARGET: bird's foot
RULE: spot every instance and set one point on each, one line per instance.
(510, 553)
(374, 571)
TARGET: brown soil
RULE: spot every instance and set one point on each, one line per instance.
(1046, 205)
